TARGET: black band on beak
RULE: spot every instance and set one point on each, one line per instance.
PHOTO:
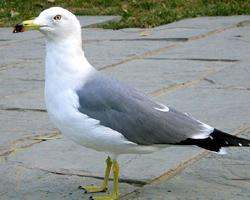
(18, 28)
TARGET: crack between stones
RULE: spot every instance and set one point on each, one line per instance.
(10, 43)
(150, 53)
(182, 85)
(136, 57)
(65, 172)
(185, 164)
(20, 62)
(155, 93)
(32, 79)
(227, 88)
(154, 52)
(180, 167)
(196, 59)
(26, 142)
(240, 179)
(22, 109)
(152, 39)
(9, 66)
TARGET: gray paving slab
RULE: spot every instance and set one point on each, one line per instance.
(18, 126)
(22, 77)
(224, 109)
(197, 65)
(134, 167)
(29, 183)
(119, 51)
(207, 22)
(16, 51)
(235, 77)
(212, 177)
(6, 38)
(149, 75)
(95, 20)
(229, 46)
(32, 99)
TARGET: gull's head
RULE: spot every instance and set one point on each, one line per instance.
(54, 23)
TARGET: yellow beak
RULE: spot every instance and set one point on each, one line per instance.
(25, 26)
(30, 25)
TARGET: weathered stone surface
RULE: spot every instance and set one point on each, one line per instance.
(228, 46)
(200, 66)
(212, 177)
(19, 126)
(30, 183)
(74, 159)
(211, 23)
(94, 20)
(151, 75)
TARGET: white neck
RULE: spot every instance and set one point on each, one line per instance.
(66, 64)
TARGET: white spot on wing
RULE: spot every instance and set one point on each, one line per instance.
(205, 132)
(163, 109)
(240, 144)
(200, 136)
(222, 151)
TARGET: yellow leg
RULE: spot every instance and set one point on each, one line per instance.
(104, 186)
(115, 194)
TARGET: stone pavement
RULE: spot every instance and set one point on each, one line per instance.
(200, 66)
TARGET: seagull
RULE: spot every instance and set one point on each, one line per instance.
(104, 114)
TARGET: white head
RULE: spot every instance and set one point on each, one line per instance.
(55, 23)
(64, 54)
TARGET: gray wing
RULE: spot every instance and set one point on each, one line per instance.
(133, 114)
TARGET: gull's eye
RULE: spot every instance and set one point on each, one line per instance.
(57, 17)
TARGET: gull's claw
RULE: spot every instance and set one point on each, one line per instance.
(93, 188)
(112, 196)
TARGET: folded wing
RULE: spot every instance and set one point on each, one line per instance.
(136, 116)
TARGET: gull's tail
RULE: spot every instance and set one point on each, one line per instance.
(217, 140)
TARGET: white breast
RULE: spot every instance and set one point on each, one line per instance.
(62, 79)
(62, 105)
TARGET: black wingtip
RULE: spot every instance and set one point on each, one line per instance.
(227, 140)
(217, 140)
